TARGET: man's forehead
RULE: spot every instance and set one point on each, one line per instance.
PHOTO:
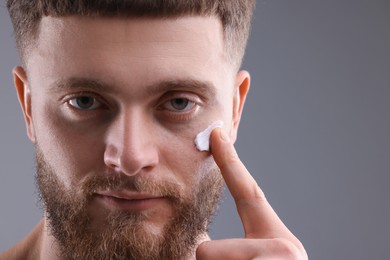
(149, 27)
(143, 37)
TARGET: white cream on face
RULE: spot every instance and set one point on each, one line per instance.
(202, 140)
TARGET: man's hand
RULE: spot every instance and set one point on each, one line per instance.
(266, 237)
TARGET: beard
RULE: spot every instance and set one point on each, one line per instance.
(124, 234)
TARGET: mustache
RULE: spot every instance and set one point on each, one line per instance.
(119, 182)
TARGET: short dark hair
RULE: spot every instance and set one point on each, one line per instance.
(235, 16)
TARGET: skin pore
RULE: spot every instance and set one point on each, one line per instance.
(113, 105)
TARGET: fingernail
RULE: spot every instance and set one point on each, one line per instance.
(224, 136)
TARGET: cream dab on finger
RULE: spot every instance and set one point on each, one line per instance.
(202, 140)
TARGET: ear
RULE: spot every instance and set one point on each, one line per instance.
(241, 89)
(24, 95)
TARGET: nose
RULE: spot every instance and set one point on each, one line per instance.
(130, 144)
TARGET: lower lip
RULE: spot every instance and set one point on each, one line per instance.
(133, 205)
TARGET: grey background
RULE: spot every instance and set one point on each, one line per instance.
(315, 133)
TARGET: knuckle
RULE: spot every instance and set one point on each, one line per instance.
(252, 197)
(258, 193)
(287, 250)
(231, 157)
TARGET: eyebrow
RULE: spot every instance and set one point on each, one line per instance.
(204, 88)
(76, 83)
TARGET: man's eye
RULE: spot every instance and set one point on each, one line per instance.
(85, 103)
(179, 104)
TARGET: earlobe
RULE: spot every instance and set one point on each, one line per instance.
(24, 96)
(240, 92)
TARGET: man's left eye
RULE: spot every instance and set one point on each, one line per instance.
(179, 104)
(85, 102)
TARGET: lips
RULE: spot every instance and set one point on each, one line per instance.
(128, 200)
(128, 195)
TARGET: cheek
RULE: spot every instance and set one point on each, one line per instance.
(183, 160)
(71, 154)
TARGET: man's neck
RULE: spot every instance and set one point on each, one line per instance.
(49, 246)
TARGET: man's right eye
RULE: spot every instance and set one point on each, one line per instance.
(85, 102)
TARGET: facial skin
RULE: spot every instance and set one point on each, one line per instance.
(114, 103)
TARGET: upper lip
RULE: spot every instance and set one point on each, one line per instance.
(128, 195)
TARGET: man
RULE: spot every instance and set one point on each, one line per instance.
(113, 94)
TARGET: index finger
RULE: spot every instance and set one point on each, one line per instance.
(257, 216)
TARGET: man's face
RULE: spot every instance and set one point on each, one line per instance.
(115, 107)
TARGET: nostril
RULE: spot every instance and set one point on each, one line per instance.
(111, 158)
(111, 165)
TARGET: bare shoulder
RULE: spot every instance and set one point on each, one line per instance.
(27, 248)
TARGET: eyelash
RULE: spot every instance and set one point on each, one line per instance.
(171, 114)
(95, 98)
(180, 115)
